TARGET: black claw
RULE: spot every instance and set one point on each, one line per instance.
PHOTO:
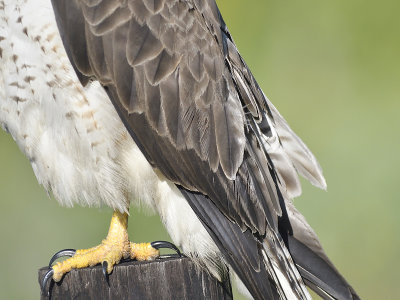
(47, 276)
(164, 244)
(61, 253)
(104, 266)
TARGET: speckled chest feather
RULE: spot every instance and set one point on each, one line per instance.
(72, 135)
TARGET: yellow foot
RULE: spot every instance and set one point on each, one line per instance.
(110, 252)
(143, 251)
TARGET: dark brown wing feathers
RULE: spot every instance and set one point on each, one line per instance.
(161, 63)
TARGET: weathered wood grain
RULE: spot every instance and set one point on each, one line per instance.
(167, 278)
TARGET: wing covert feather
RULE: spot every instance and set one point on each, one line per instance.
(198, 107)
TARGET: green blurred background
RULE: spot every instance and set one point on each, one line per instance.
(332, 68)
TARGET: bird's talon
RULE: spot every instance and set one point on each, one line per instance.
(104, 266)
(62, 253)
(47, 276)
(164, 244)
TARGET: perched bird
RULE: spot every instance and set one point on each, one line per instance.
(119, 101)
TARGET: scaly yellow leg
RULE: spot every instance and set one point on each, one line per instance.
(115, 247)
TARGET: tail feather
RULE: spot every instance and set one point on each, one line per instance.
(313, 264)
(319, 275)
(282, 269)
(240, 249)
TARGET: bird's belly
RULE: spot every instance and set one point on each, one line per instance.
(70, 134)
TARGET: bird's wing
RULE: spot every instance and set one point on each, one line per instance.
(190, 103)
(165, 67)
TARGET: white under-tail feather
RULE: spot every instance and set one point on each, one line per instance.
(282, 269)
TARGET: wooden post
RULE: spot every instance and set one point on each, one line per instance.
(165, 278)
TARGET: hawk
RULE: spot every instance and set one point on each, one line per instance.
(123, 101)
